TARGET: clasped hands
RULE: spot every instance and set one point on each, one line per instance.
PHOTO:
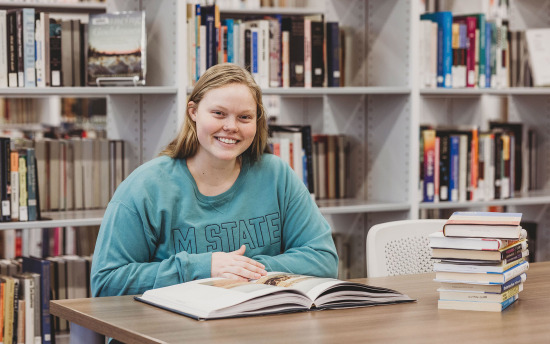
(235, 265)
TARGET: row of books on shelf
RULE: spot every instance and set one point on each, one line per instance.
(18, 111)
(27, 284)
(42, 51)
(58, 174)
(256, 4)
(320, 160)
(45, 242)
(482, 260)
(279, 51)
(463, 51)
(464, 164)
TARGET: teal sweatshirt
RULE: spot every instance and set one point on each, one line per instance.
(159, 230)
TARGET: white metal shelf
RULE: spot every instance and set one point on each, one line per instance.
(456, 92)
(85, 91)
(60, 219)
(353, 206)
(81, 7)
(532, 198)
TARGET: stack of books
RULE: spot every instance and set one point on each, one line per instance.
(483, 260)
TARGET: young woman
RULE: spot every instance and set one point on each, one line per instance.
(213, 204)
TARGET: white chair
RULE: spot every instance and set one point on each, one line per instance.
(400, 247)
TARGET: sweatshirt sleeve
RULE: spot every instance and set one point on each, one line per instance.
(123, 258)
(307, 245)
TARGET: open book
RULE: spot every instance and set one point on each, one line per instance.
(278, 292)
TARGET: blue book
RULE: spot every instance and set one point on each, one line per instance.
(453, 167)
(42, 267)
(208, 17)
(230, 39)
(198, 41)
(28, 47)
(444, 22)
(254, 55)
(488, 68)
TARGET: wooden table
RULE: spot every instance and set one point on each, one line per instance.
(526, 321)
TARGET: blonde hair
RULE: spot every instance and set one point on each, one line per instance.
(186, 144)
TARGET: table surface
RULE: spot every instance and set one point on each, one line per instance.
(526, 321)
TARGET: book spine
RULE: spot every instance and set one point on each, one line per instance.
(3, 50)
(5, 178)
(429, 164)
(23, 212)
(20, 56)
(482, 52)
(454, 167)
(55, 53)
(444, 163)
(29, 47)
(444, 22)
(317, 60)
(508, 302)
(333, 57)
(11, 18)
(14, 162)
(296, 51)
(31, 185)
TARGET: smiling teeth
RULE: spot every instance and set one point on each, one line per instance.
(227, 140)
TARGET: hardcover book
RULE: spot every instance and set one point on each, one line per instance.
(215, 298)
(482, 277)
(476, 305)
(438, 240)
(484, 225)
(117, 48)
(503, 253)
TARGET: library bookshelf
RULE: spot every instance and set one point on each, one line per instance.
(380, 109)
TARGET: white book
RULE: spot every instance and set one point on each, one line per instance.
(69, 174)
(202, 50)
(539, 55)
(307, 53)
(29, 47)
(104, 172)
(96, 174)
(78, 177)
(87, 173)
(285, 52)
(3, 50)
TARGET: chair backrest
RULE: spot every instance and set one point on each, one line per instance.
(400, 247)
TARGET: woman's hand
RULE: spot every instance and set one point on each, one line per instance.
(235, 265)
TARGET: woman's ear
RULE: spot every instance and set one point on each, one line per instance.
(192, 111)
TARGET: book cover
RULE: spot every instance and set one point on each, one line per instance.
(117, 48)
(11, 18)
(482, 218)
(5, 179)
(275, 293)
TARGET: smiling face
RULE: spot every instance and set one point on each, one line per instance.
(226, 123)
